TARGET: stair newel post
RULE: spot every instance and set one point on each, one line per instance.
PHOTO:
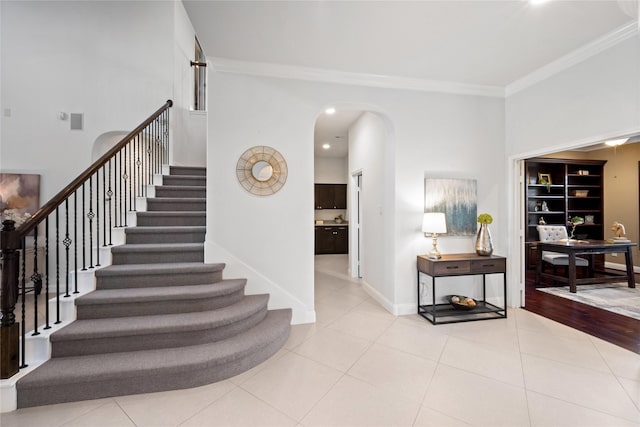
(9, 329)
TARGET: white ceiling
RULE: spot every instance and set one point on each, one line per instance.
(475, 42)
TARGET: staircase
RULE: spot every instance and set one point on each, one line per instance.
(159, 319)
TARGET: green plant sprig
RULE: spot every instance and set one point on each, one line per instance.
(485, 218)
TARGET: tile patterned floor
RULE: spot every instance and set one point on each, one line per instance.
(361, 366)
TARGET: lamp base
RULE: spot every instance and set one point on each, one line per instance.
(434, 256)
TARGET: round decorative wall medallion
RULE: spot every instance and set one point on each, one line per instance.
(261, 170)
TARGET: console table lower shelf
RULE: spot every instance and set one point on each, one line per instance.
(461, 265)
(444, 313)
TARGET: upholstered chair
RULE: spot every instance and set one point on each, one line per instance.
(556, 233)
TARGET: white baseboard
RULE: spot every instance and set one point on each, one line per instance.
(623, 267)
(259, 283)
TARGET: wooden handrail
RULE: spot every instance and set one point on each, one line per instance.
(66, 192)
(12, 242)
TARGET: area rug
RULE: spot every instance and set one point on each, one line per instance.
(615, 297)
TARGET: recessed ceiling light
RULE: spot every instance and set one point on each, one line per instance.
(330, 110)
(538, 1)
(326, 146)
(615, 142)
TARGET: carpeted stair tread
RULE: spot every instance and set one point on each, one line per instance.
(157, 269)
(165, 323)
(104, 375)
(155, 247)
(186, 204)
(155, 253)
(169, 218)
(184, 180)
(162, 293)
(188, 170)
(183, 188)
(165, 229)
(181, 191)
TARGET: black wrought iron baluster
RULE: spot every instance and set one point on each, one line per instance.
(46, 272)
(167, 127)
(58, 321)
(36, 280)
(117, 207)
(98, 218)
(109, 198)
(90, 215)
(135, 168)
(75, 241)
(126, 179)
(23, 330)
(103, 200)
(156, 144)
(149, 165)
(66, 242)
(84, 248)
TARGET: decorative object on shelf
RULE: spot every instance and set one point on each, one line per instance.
(339, 219)
(581, 193)
(589, 219)
(262, 170)
(457, 199)
(434, 223)
(484, 245)
(541, 221)
(583, 172)
(462, 303)
(575, 221)
(545, 179)
(545, 207)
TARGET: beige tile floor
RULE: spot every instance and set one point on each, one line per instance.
(361, 366)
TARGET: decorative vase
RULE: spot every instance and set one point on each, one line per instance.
(484, 246)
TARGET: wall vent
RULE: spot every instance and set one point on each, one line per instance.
(76, 121)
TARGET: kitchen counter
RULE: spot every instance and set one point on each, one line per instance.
(332, 224)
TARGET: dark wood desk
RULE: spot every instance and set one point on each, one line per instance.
(586, 247)
(461, 265)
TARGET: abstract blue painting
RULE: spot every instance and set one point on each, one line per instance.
(457, 198)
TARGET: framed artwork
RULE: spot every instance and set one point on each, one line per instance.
(19, 196)
(457, 198)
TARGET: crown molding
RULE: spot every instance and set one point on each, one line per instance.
(225, 65)
(567, 61)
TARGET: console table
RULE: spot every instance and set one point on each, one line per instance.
(587, 247)
(461, 265)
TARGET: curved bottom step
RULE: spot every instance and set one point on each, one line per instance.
(68, 379)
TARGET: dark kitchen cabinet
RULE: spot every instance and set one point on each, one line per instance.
(331, 196)
(332, 240)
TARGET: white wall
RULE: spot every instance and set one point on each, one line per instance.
(190, 127)
(371, 154)
(594, 100)
(112, 61)
(436, 133)
(331, 170)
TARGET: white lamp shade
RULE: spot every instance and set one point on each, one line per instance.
(434, 222)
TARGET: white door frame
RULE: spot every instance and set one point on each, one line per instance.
(356, 249)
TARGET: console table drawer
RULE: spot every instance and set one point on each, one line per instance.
(452, 268)
(489, 266)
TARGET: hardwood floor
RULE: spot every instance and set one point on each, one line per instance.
(614, 328)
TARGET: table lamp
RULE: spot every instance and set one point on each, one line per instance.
(434, 223)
